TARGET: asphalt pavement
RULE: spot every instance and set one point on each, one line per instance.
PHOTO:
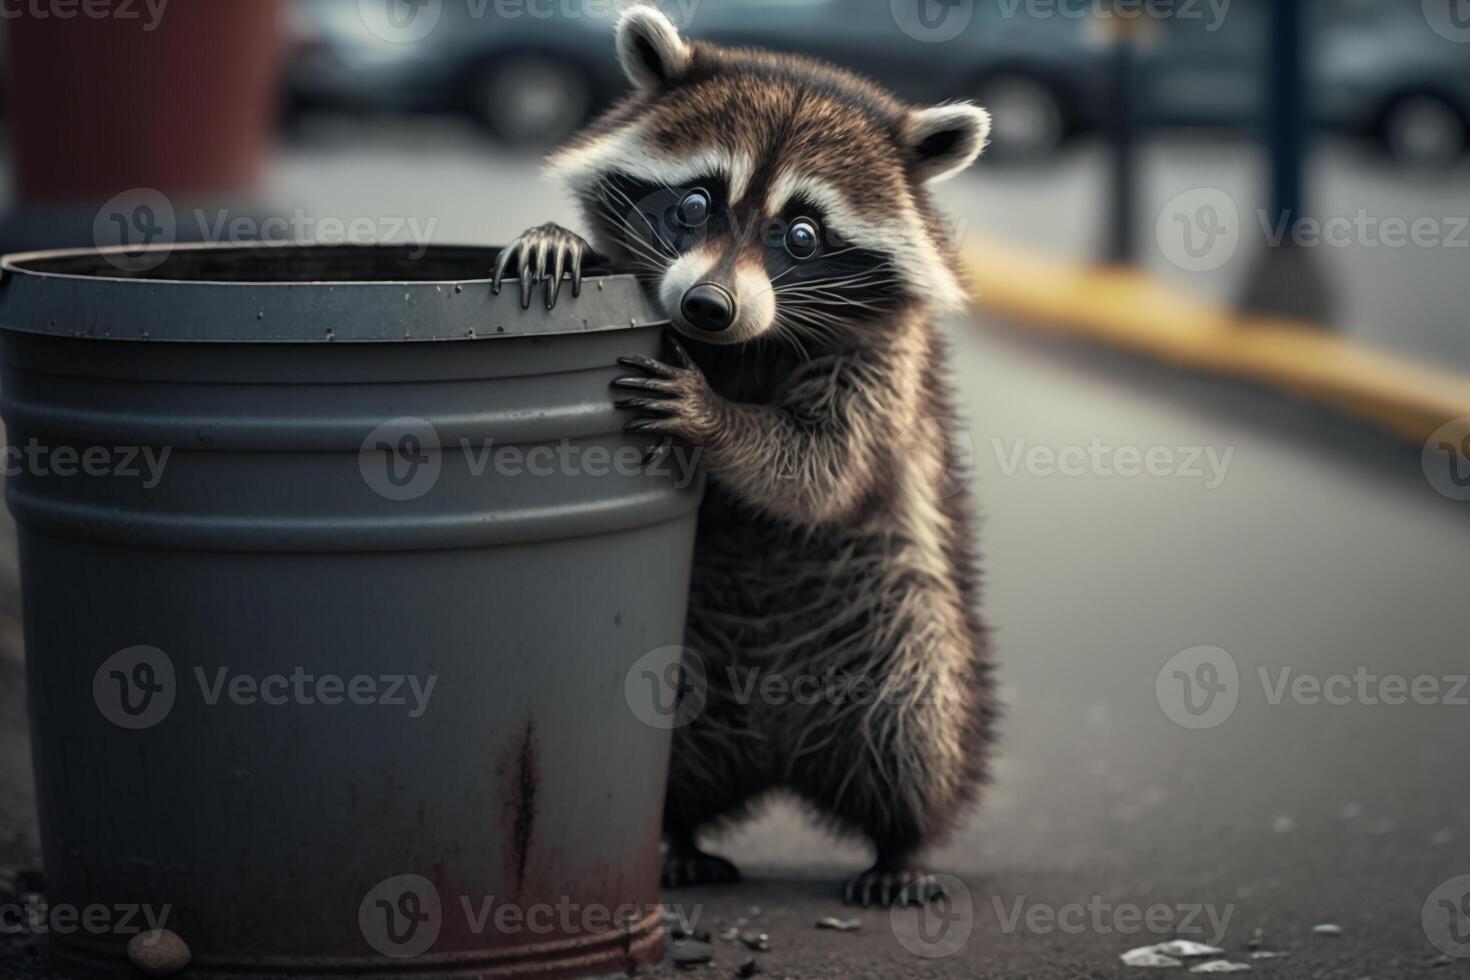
(1205, 599)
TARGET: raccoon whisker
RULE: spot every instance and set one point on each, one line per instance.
(631, 205)
(633, 243)
(781, 331)
(830, 293)
(610, 209)
(844, 302)
(855, 277)
(634, 236)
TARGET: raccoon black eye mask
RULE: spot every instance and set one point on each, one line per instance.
(779, 211)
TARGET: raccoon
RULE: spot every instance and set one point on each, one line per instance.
(777, 208)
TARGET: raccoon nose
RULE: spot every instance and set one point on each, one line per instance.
(708, 306)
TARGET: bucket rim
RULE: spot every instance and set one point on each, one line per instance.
(112, 304)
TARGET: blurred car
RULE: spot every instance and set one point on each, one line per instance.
(1376, 69)
(535, 71)
(529, 76)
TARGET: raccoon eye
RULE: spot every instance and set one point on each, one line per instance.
(802, 238)
(694, 208)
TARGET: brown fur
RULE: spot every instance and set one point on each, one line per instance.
(823, 546)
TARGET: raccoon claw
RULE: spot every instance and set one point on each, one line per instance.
(544, 253)
(672, 399)
(904, 887)
(683, 869)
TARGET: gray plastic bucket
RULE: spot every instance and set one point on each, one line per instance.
(503, 821)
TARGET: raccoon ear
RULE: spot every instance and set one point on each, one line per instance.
(650, 48)
(945, 139)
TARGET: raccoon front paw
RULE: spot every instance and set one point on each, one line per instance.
(674, 400)
(546, 253)
(889, 887)
(683, 869)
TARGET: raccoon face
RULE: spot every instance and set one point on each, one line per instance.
(768, 195)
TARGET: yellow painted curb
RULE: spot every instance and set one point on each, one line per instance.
(1125, 309)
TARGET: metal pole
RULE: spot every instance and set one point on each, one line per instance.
(1286, 279)
(1122, 236)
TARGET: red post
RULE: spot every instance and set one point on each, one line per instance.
(178, 96)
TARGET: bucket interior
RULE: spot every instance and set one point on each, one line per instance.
(293, 263)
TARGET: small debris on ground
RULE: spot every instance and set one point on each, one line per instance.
(691, 952)
(756, 941)
(1257, 939)
(1187, 949)
(748, 968)
(729, 934)
(1327, 929)
(840, 925)
(1148, 956)
(159, 954)
(1268, 954)
(1220, 966)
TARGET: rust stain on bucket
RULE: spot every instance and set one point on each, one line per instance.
(519, 779)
